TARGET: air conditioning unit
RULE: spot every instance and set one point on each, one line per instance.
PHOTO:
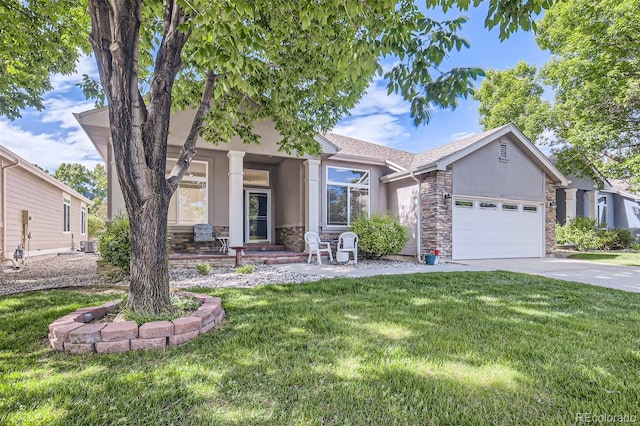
(88, 246)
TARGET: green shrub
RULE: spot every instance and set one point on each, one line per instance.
(379, 235)
(203, 268)
(95, 226)
(246, 269)
(115, 243)
(616, 239)
(580, 231)
(586, 234)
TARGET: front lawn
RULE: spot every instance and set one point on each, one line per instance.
(457, 348)
(621, 258)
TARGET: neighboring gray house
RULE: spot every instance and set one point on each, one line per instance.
(38, 212)
(618, 207)
(608, 201)
(489, 195)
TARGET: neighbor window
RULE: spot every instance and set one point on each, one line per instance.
(83, 223)
(347, 195)
(602, 210)
(66, 214)
(188, 205)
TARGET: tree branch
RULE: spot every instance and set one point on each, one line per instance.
(189, 147)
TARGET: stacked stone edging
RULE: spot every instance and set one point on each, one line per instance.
(71, 333)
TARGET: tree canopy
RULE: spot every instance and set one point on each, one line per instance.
(91, 183)
(594, 75)
(513, 95)
(37, 39)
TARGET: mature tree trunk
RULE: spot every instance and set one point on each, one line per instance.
(139, 134)
(149, 291)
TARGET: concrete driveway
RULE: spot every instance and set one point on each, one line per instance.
(625, 278)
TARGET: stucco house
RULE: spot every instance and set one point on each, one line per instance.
(608, 201)
(490, 195)
(38, 213)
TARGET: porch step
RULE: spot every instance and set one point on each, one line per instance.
(265, 247)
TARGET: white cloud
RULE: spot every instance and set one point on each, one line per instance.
(376, 101)
(49, 150)
(383, 129)
(85, 65)
(60, 110)
(460, 135)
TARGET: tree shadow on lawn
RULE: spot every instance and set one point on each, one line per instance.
(493, 348)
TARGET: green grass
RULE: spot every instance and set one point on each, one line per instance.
(622, 258)
(439, 349)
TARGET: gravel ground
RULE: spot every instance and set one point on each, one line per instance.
(79, 270)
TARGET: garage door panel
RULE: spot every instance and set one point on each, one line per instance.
(482, 233)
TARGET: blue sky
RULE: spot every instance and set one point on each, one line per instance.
(52, 136)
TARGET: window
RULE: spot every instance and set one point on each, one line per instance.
(510, 207)
(467, 204)
(83, 223)
(347, 195)
(492, 206)
(530, 209)
(66, 213)
(255, 177)
(188, 206)
(602, 210)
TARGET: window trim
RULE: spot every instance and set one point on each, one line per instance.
(84, 217)
(66, 213)
(186, 178)
(328, 183)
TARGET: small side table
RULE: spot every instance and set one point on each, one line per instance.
(238, 250)
(224, 244)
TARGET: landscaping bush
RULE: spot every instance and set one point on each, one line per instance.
(204, 268)
(115, 243)
(586, 234)
(580, 231)
(379, 235)
(616, 239)
(95, 226)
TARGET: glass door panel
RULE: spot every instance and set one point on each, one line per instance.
(257, 216)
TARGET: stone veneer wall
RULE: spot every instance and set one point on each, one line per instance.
(550, 218)
(71, 333)
(437, 225)
(292, 237)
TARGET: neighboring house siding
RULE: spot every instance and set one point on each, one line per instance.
(45, 205)
(482, 174)
(403, 202)
(625, 212)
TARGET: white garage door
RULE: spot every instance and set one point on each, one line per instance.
(486, 229)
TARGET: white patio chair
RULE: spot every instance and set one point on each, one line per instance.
(348, 242)
(316, 246)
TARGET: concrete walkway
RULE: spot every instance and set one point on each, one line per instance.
(625, 278)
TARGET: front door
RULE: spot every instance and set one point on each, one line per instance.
(257, 223)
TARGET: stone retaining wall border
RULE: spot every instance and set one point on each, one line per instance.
(73, 334)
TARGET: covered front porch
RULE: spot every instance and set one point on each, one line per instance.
(263, 202)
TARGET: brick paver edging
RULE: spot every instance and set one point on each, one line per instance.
(71, 333)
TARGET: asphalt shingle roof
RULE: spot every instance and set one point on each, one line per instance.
(407, 160)
(359, 148)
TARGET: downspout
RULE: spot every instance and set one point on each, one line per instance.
(4, 207)
(419, 217)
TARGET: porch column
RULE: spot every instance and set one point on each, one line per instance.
(570, 202)
(591, 204)
(312, 195)
(236, 209)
